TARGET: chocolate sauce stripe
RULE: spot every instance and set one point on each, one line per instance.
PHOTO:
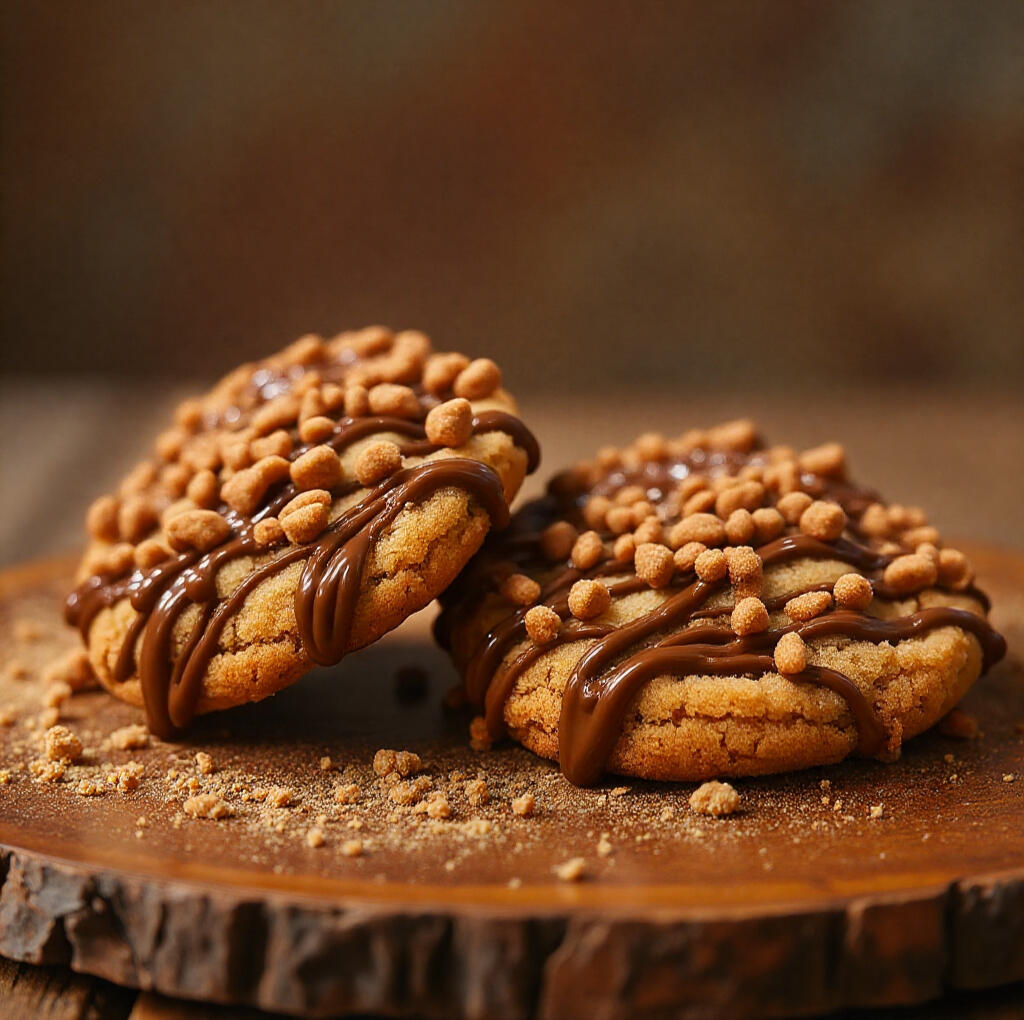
(591, 708)
(329, 587)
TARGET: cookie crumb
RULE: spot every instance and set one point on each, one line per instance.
(280, 796)
(437, 806)
(573, 870)
(1009, 777)
(87, 788)
(347, 794)
(207, 805)
(409, 791)
(714, 798)
(60, 744)
(130, 738)
(126, 777)
(403, 763)
(315, 837)
(47, 771)
(524, 806)
(604, 846)
(204, 763)
(876, 811)
(477, 792)
(352, 848)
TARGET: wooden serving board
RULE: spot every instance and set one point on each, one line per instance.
(799, 904)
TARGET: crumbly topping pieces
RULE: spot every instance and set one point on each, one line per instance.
(700, 518)
(271, 423)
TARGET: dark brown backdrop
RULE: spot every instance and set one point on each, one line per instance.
(690, 193)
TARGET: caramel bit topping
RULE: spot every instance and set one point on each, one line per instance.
(203, 489)
(653, 564)
(745, 570)
(911, 573)
(791, 654)
(685, 557)
(823, 520)
(318, 468)
(542, 624)
(710, 564)
(588, 599)
(136, 518)
(201, 530)
(828, 459)
(746, 496)
(150, 552)
(277, 444)
(268, 425)
(739, 527)
(852, 591)
(441, 371)
(698, 527)
(588, 550)
(450, 423)
(792, 505)
(769, 524)
(954, 569)
(376, 461)
(316, 430)
(557, 540)
(268, 531)
(624, 548)
(396, 401)
(520, 590)
(244, 491)
(479, 379)
(595, 510)
(749, 616)
(306, 516)
(809, 605)
(102, 520)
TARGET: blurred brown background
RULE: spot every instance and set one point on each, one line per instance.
(733, 204)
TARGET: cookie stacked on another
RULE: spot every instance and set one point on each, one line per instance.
(302, 508)
(708, 606)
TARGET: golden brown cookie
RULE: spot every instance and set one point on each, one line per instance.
(707, 606)
(302, 508)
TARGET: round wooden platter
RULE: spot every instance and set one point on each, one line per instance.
(803, 902)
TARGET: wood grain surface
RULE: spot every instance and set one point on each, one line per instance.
(938, 449)
(796, 906)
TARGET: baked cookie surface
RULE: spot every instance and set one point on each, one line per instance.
(305, 506)
(708, 606)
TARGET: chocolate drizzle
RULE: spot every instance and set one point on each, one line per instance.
(329, 585)
(680, 637)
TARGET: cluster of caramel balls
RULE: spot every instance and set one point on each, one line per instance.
(709, 524)
(270, 423)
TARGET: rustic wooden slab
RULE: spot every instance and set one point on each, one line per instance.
(800, 904)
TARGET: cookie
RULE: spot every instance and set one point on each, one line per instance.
(707, 606)
(305, 506)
